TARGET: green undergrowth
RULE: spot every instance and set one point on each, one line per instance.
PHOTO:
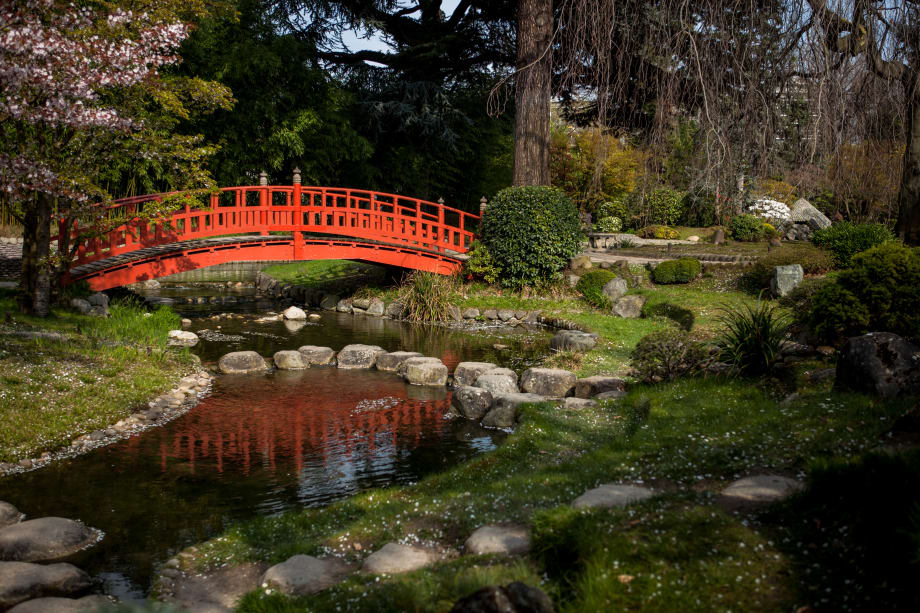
(677, 551)
(334, 275)
(54, 390)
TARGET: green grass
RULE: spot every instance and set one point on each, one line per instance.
(105, 369)
(335, 275)
(680, 549)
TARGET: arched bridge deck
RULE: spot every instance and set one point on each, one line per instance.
(278, 223)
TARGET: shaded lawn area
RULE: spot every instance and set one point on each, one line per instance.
(678, 551)
(335, 275)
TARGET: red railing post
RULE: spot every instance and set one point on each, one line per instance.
(297, 215)
(263, 203)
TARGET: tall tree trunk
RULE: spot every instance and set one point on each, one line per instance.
(532, 92)
(36, 244)
(908, 226)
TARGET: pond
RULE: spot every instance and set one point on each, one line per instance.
(264, 444)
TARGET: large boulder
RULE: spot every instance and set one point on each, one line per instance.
(466, 373)
(515, 597)
(420, 371)
(615, 289)
(95, 603)
(376, 307)
(290, 360)
(629, 307)
(589, 387)
(802, 211)
(507, 372)
(496, 384)
(303, 574)
(99, 300)
(329, 302)
(315, 355)
(573, 340)
(471, 402)
(395, 558)
(80, 305)
(879, 363)
(294, 313)
(551, 382)
(359, 356)
(390, 362)
(241, 363)
(9, 514)
(45, 539)
(181, 338)
(21, 581)
(504, 409)
(785, 279)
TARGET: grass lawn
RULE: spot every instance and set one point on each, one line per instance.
(333, 275)
(52, 391)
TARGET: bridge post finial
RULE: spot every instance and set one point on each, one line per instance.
(441, 200)
(263, 178)
(482, 205)
(296, 176)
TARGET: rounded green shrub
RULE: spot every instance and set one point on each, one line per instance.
(845, 239)
(531, 232)
(666, 355)
(665, 206)
(746, 228)
(609, 224)
(879, 293)
(662, 232)
(591, 285)
(683, 270)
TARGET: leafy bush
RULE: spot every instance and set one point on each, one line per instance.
(591, 285)
(699, 208)
(426, 296)
(813, 262)
(880, 293)
(662, 232)
(666, 355)
(609, 224)
(746, 228)
(683, 270)
(777, 190)
(665, 206)
(612, 208)
(753, 337)
(480, 264)
(531, 232)
(845, 239)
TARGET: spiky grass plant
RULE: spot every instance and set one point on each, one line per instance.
(752, 337)
(425, 296)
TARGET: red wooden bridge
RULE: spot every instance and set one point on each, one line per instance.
(277, 223)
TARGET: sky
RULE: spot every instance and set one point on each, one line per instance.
(375, 43)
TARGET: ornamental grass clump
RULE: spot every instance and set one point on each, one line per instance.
(752, 338)
(426, 296)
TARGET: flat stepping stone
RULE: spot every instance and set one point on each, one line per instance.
(45, 540)
(87, 604)
(578, 403)
(20, 581)
(612, 495)
(552, 382)
(466, 373)
(390, 362)
(216, 591)
(9, 515)
(303, 574)
(506, 540)
(395, 558)
(241, 363)
(762, 488)
(317, 355)
(359, 356)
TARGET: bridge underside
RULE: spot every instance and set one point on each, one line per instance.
(162, 260)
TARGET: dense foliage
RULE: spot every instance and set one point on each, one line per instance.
(609, 224)
(880, 292)
(813, 262)
(746, 228)
(683, 270)
(659, 232)
(845, 239)
(591, 285)
(479, 264)
(425, 296)
(531, 233)
(666, 355)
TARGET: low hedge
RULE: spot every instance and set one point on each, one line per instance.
(683, 270)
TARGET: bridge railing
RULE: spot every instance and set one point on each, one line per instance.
(294, 209)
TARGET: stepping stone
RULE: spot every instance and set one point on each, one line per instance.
(471, 402)
(45, 539)
(9, 514)
(590, 387)
(505, 409)
(215, 591)
(20, 581)
(395, 558)
(506, 540)
(359, 356)
(421, 371)
(611, 495)
(290, 360)
(294, 313)
(497, 384)
(762, 488)
(578, 403)
(302, 574)
(390, 362)
(241, 363)
(87, 604)
(551, 382)
(317, 355)
(466, 373)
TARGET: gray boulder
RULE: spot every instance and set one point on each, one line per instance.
(80, 305)
(343, 306)
(589, 387)
(505, 314)
(762, 488)
(466, 372)
(573, 340)
(515, 597)
(507, 372)
(395, 558)
(551, 382)
(420, 371)
(294, 313)
(395, 310)
(302, 574)
(612, 495)
(390, 362)
(290, 360)
(361, 303)
(504, 409)
(471, 402)
(319, 356)
(879, 363)
(181, 338)
(9, 514)
(802, 211)
(99, 299)
(21, 581)
(329, 302)
(241, 363)
(490, 314)
(376, 307)
(95, 603)
(45, 539)
(578, 403)
(615, 289)
(470, 313)
(503, 540)
(629, 307)
(454, 313)
(785, 279)
(359, 356)
(496, 384)
(401, 371)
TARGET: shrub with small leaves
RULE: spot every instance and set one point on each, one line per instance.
(746, 228)
(591, 285)
(609, 224)
(813, 262)
(666, 206)
(479, 265)
(845, 239)
(666, 355)
(753, 336)
(683, 270)
(660, 232)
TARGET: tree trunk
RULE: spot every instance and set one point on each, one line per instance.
(36, 244)
(532, 92)
(908, 226)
